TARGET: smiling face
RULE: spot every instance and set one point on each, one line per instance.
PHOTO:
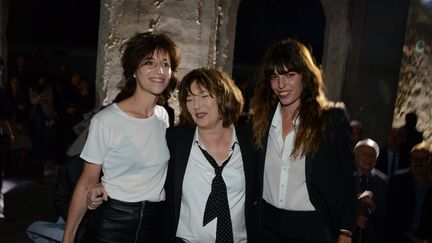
(203, 107)
(420, 162)
(288, 88)
(365, 158)
(153, 73)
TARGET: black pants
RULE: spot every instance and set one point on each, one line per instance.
(278, 225)
(116, 221)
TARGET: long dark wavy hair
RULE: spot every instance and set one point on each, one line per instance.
(220, 86)
(143, 45)
(291, 55)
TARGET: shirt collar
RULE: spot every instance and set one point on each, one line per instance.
(277, 118)
(234, 139)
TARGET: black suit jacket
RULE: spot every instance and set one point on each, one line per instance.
(376, 215)
(180, 141)
(382, 161)
(330, 177)
(401, 201)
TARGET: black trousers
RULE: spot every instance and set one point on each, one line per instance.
(116, 221)
(278, 225)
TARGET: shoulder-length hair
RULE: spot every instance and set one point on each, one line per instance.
(282, 56)
(143, 45)
(220, 86)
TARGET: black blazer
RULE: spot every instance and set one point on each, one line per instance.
(401, 202)
(330, 177)
(180, 141)
(382, 161)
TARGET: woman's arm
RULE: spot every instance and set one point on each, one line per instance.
(78, 206)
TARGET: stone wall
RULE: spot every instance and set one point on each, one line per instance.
(336, 43)
(415, 83)
(373, 63)
(205, 31)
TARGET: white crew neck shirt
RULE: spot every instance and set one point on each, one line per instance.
(132, 151)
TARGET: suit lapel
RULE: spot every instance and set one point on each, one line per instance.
(262, 153)
(308, 168)
(183, 148)
(245, 152)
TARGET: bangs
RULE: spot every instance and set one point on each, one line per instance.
(154, 43)
(280, 62)
(202, 80)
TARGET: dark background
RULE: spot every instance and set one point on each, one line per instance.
(67, 31)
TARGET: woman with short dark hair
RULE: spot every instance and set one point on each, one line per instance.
(126, 141)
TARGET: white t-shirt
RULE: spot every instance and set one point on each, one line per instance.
(132, 151)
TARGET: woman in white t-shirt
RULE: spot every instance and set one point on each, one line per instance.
(126, 142)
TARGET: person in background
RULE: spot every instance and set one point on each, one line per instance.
(19, 107)
(306, 161)
(67, 177)
(409, 192)
(392, 157)
(372, 190)
(6, 134)
(126, 142)
(357, 130)
(412, 135)
(45, 130)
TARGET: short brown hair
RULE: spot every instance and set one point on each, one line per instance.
(220, 86)
(143, 45)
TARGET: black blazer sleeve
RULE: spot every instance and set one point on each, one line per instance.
(330, 175)
(349, 215)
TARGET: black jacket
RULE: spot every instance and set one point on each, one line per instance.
(330, 177)
(179, 141)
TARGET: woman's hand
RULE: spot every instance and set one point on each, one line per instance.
(96, 196)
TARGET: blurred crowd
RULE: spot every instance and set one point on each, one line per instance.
(43, 103)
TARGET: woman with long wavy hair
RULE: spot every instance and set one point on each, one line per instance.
(306, 162)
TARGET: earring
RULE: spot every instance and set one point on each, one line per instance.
(134, 76)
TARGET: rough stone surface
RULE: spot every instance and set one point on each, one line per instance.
(336, 40)
(205, 31)
(415, 84)
(373, 63)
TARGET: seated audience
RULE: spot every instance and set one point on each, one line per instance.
(408, 191)
(372, 186)
(67, 177)
(392, 157)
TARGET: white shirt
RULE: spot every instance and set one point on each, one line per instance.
(132, 151)
(284, 177)
(197, 183)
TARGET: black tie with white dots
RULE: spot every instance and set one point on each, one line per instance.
(217, 203)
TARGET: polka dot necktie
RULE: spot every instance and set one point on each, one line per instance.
(217, 203)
